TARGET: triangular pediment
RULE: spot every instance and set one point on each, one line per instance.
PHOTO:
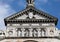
(31, 13)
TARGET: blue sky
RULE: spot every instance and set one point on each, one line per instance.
(9, 7)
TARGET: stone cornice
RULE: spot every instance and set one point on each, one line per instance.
(31, 21)
(30, 37)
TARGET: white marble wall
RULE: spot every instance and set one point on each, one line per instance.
(49, 28)
(48, 33)
(13, 29)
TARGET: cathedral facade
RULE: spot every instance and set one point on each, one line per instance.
(30, 25)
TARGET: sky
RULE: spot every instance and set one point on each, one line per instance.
(9, 7)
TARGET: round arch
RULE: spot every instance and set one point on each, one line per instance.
(30, 41)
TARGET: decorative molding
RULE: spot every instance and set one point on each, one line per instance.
(29, 37)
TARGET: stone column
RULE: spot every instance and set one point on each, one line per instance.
(35, 33)
(39, 32)
(19, 33)
(46, 32)
(30, 32)
(27, 32)
(23, 32)
(42, 32)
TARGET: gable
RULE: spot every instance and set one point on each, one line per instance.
(25, 13)
(31, 13)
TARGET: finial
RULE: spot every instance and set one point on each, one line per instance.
(30, 2)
